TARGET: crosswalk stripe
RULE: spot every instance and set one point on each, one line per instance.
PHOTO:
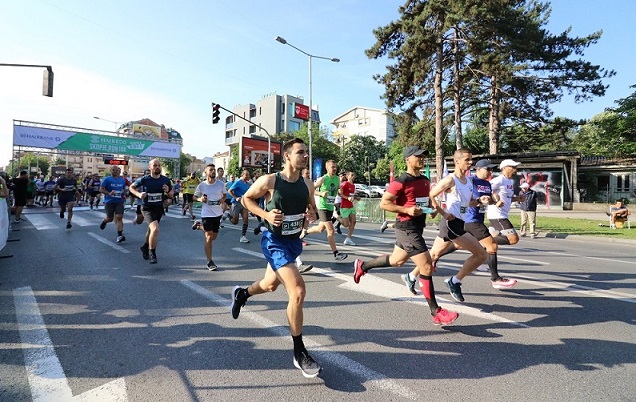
(41, 222)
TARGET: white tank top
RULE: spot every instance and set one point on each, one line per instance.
(458, 198)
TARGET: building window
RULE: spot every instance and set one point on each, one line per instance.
(89, 160)
(602, 183)
(622, 183)
(252, 129)
(293, 126)
(252, 112)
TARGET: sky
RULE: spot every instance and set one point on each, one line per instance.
(123, 60)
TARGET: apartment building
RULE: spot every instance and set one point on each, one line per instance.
(360, 120)
(274, 113)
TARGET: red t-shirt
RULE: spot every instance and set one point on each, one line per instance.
(347, 189)
(411, 190)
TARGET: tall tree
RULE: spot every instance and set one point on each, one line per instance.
(357, 150)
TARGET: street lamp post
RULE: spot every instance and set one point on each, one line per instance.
(116, 123)
(311, 56)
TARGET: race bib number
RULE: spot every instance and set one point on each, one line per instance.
(482, 208)
(330, 199)
(69, 188)
(155, 197)
(422, 202)
(292, 224)
(212, 203)
(463, 208)
(117, 193)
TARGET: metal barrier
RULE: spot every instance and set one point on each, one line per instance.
(368, 210)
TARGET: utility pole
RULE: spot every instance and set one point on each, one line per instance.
(47, 83)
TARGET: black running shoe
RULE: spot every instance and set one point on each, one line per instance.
(102, 225)
(259, 228)
(239, 297)
(62, 214)
(455, 289)
(211, 266)
(409, 283)
(121, 238)
(68, 225)
(196, 225)
(153, 258)
(307, 365)
(338, 228)
(145, 253)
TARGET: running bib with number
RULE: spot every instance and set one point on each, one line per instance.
(155, 197)
(422, 202)
(69, 188)
(217, 202)
(330, 200)
(463, 208)
(292, 224)
(117, 193)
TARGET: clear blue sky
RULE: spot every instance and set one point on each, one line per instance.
(125, 60)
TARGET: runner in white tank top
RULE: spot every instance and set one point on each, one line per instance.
(459, 196)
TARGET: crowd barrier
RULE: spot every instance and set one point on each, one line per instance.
(368, 210)
(4, 223)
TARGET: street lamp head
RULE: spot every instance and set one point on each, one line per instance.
(335, 60)
(281, 40)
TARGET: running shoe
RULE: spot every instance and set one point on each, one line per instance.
(62, 214)
(307, 365)
(357, 270)
(348, 242)
(91, 206)
(483, 268)
(192, 217)
(434, 265)
(455, 289)
(258, 228)
(68, 225)
(384, 226)
(121, 239)
(239, 298)
(183, 212)
(410, 284)
(153, 258)
(211, 266)
(145, 252)
(196, 225)
(102, 225)
(244, 239)
(304, 268)
(338, 228)
(340, 256)
(444, 317)
(503, 283)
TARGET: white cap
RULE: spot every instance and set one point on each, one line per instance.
(525, 185)
(508, 162)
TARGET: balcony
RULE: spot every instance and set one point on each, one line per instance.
(232, 140)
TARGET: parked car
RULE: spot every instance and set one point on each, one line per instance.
(378, 189)
(364, 191)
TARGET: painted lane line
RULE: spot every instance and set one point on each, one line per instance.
(44, 371)
(604, 259)
(40, 222)
(249, 252)
(375, 239)
(108, 243)
(371, 378)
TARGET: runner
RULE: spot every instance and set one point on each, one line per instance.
(408, 196)
(93, 188)
(155, 186)
(211, 193)
(347, 210)
(114, 189)
(459, 197)
(187, 187)
(139, 218)
(503, 193)
(176, 188)
(327, 188)
(289, 198)
(20, 185)
(49, 191)
(67, 189)
(238, 189)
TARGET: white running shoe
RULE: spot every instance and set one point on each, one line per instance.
(244, 239)
(348, 242)
(483, 268)
(503, 283)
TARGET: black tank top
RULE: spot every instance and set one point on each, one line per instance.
(291, 198)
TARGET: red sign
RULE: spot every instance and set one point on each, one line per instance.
(254, 153)
(301, 111)
(119, 162)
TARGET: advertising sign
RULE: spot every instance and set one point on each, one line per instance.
(253, 153)
(317, 168)
(75, 141)
(301, 111)
(148, 131)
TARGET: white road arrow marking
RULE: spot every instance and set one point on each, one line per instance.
(44, 371)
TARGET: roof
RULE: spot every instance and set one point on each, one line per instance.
(354, 108)
(608, 161)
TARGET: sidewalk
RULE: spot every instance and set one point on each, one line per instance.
(560, 213)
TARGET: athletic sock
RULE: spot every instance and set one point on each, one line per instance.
(426, 284)
(377, 262)
(455, 279)
(244, 230)
(502, 241)
(299, 346)
(120, 232)
(492, 265)
(411, 277)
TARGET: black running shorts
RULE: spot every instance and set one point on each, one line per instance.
(477, 229)
(114, 208)
(325, 215)
(211, 224)
(411, 241)
(152, 213)
(451, 230)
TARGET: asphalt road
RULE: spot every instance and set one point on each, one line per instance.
(85, 318)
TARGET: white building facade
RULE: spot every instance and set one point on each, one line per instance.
(365, 121)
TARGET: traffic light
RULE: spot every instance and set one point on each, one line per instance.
(215, 113)
(47, 83)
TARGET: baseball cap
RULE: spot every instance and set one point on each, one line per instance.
(508, 162)
(525, 185)
(414, 150)
(484, 163)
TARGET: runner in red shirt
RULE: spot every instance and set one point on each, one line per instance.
(347, 210)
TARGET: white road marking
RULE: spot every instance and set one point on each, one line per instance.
(80, 221)
(249, 252)
(590, 258)
(375, 239)
(371, 378)
(40, 222)
(108, 243)
(44, 371)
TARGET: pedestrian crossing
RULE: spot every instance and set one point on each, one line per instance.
(52, 221)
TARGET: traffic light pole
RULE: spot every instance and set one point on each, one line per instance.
(269, 137)
(47, 84)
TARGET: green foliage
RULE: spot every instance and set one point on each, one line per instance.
(233, 164)
(357, 149)
(322, 148)
(170, 165)
(31, 160)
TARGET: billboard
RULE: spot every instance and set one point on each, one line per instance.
(75, 141)
(301, 111)
(147, 131)
(253, 153)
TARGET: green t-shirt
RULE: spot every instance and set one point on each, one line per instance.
(330, 184)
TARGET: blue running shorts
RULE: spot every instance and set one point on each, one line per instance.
(280, 251)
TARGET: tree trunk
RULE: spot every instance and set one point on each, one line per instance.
(493, 123)
(439, 105)
(459, 140)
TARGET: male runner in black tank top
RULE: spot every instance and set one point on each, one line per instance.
(289, 200)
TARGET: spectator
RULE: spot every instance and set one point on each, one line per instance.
(618, 211)
(20, 185)
(528, 211)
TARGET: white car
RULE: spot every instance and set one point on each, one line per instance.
(378, 189)
(364, 191)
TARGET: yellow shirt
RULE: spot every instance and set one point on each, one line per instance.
(190, 185)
